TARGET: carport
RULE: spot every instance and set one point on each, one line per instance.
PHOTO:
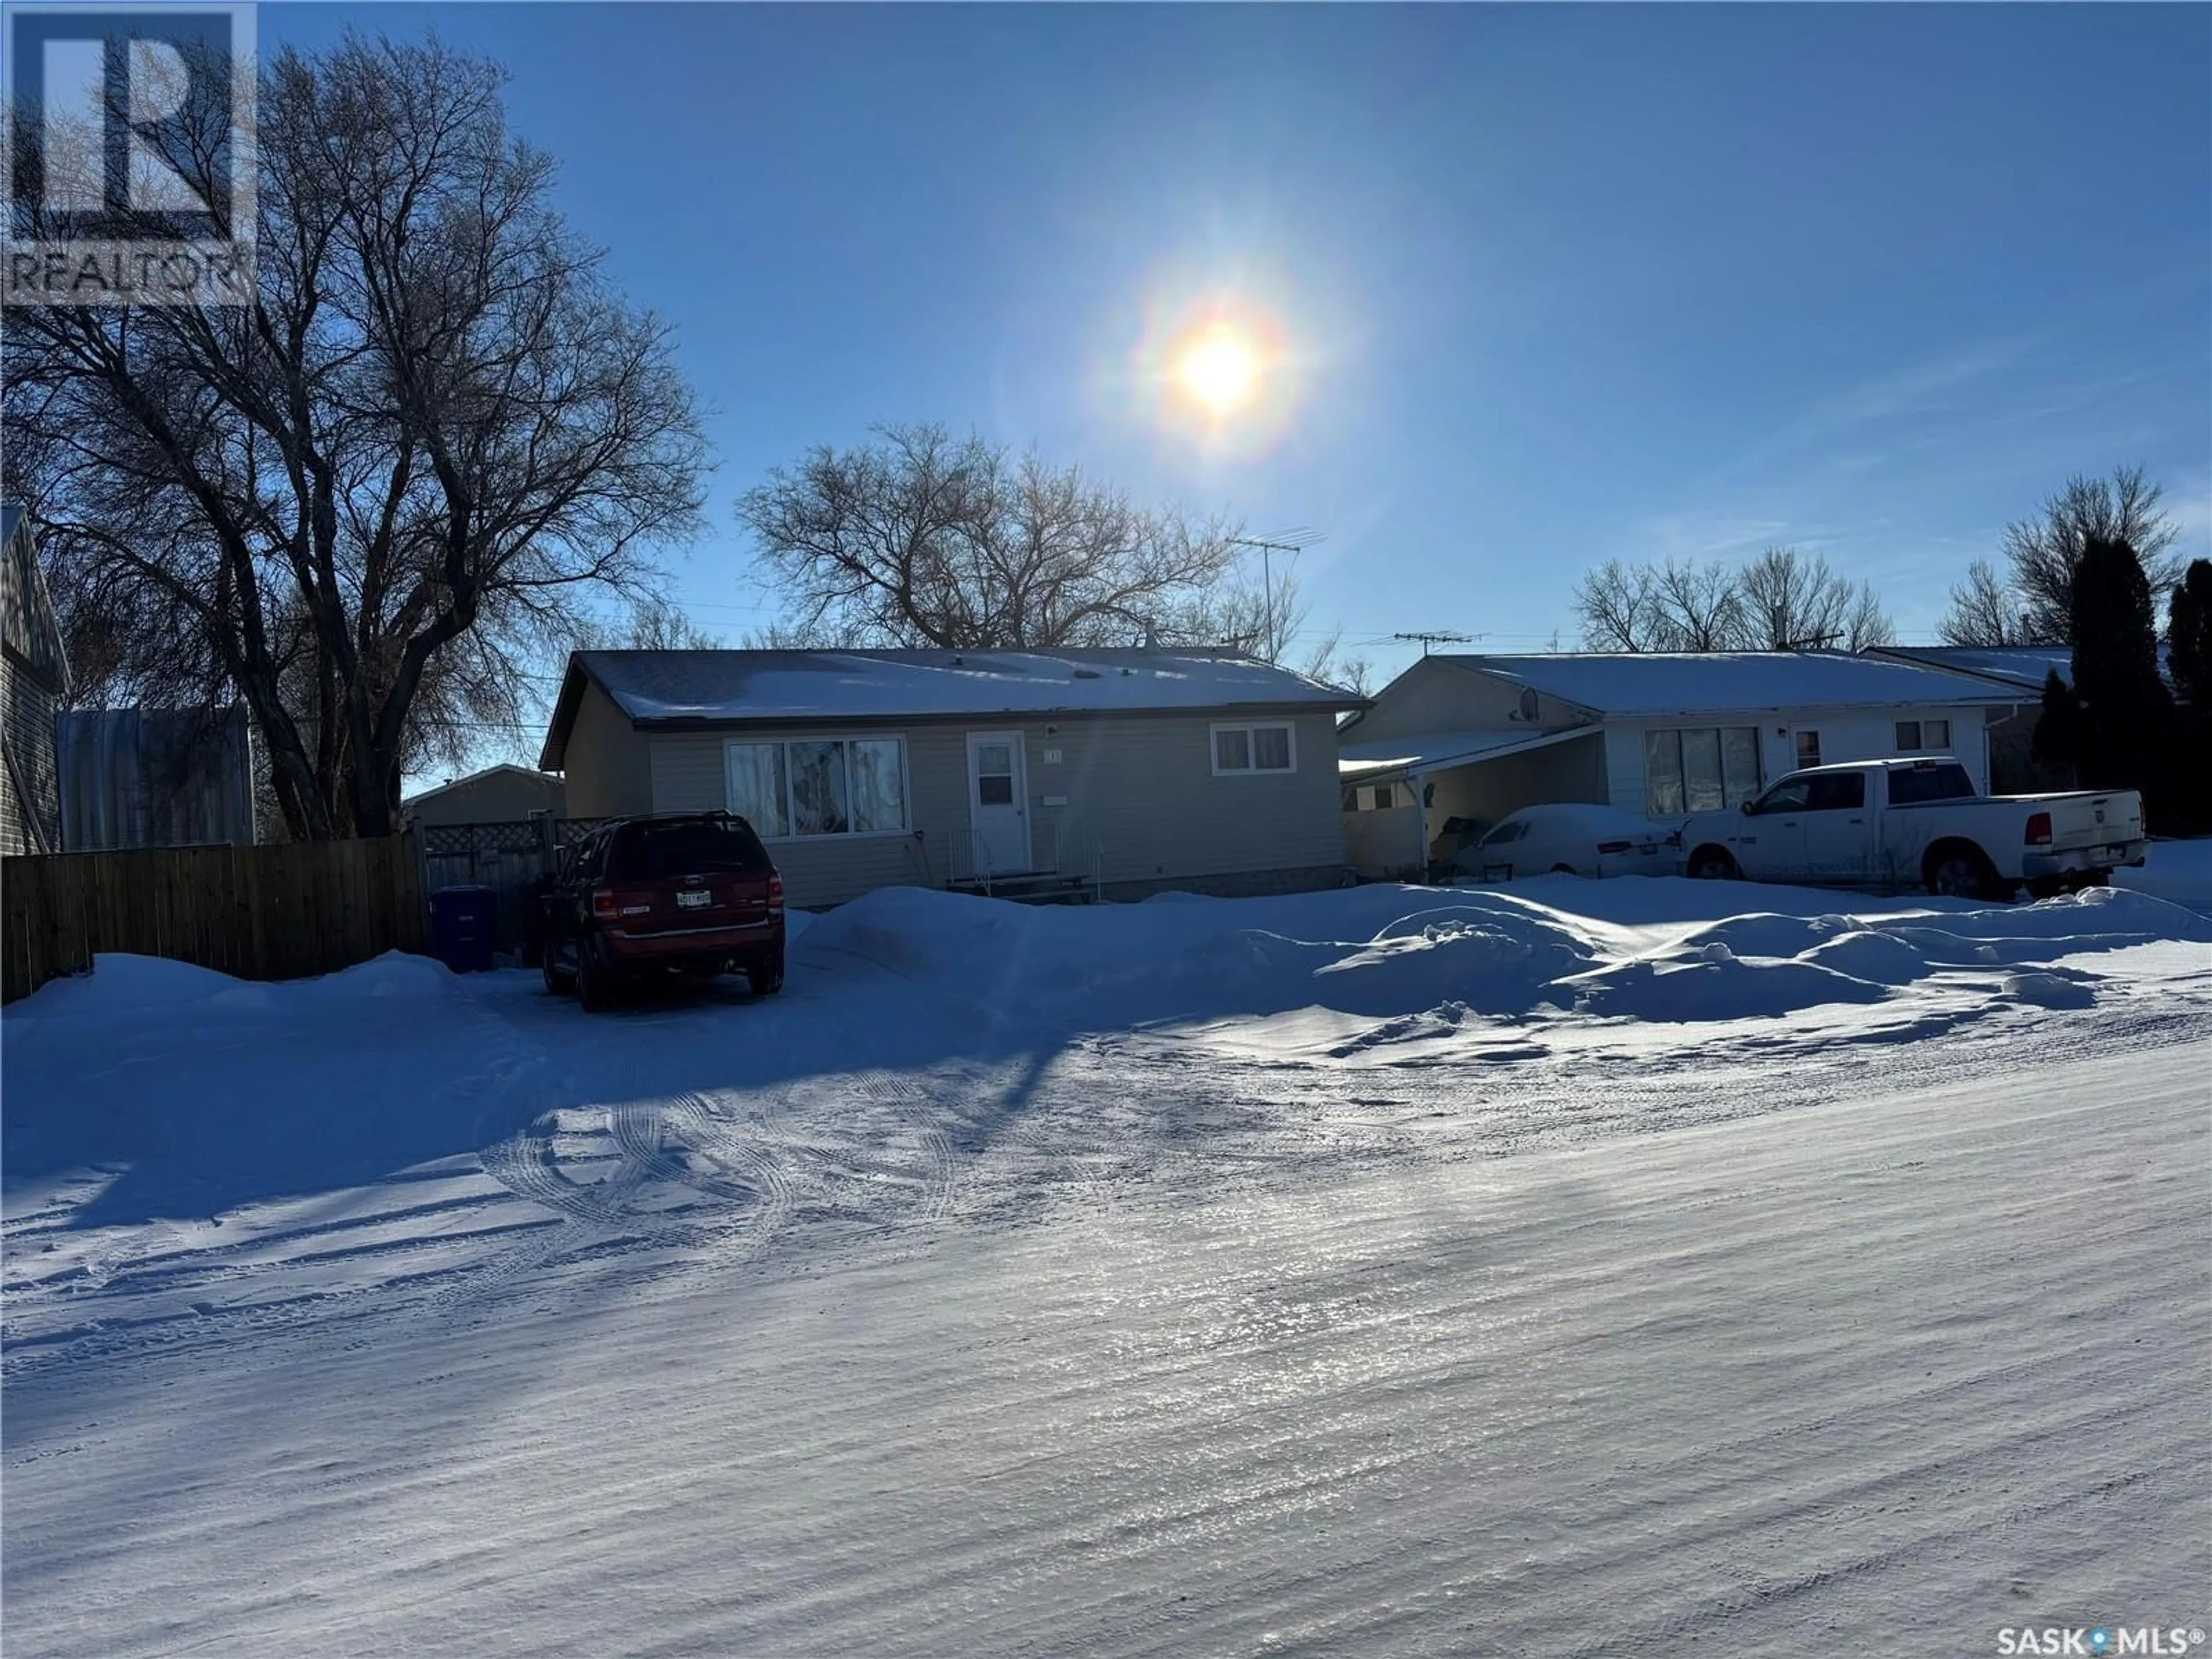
(1400, 792)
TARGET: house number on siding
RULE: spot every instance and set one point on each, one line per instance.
(1052, 757)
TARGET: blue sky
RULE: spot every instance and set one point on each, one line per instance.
(1561, 283)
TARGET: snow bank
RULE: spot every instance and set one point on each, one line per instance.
(1388, 952)
(2179, 871)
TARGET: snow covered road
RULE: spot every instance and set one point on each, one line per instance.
(1465, 1288)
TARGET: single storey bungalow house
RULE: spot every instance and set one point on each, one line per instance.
(1117, 772)
(1458, 741)
(498, 794)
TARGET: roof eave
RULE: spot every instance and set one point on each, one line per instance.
(846, 717)
(552, 754)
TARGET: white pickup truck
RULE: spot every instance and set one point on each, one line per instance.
(1918, 822)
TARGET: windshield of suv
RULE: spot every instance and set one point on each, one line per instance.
(685, 847)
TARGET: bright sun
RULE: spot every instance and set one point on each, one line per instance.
(1219, 371)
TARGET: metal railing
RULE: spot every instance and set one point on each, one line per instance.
(1077, 857)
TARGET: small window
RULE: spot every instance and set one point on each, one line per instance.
(1937, 732)
(1270, 748)
(1908, 735)
(1377, 797)
(1808, 748)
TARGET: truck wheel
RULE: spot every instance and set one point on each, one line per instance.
(1714, 864)
(766, 978)
(1960, 872)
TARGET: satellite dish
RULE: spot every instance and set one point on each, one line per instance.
(1528, 703)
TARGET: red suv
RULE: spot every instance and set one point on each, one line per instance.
(692, 893)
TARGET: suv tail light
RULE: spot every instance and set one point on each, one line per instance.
(1613, 846)
(2038, 829)
(603, 903)
(775, 892)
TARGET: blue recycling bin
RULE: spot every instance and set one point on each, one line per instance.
(460, 927)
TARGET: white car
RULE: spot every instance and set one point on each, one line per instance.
(1574, 838)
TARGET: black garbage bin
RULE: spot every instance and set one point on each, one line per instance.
(460, 927)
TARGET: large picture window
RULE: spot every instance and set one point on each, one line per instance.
(1699, 769)
(818, 786)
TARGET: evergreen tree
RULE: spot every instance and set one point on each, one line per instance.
(2188, 647)
(2189, 636)
(2058, 728)
(2116, 723)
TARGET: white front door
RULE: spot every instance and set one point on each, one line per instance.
(997, 803)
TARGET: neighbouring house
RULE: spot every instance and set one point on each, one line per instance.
(1457, 741)
(498, 794)
(156, 777)
(33, 681)
(2019, 671)
(1119, 772)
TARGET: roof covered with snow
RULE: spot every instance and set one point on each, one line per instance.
(2024, 665)
(681, 688)
(1722, 682)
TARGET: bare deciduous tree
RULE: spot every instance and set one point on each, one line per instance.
(1699, 607)
(1782, 600)
(1788, 601)
(1983, 611)
(653, 624)
(918, 538)
(360, 501)
(2046, 550)
(1618, 608)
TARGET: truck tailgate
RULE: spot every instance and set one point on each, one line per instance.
(2079, 822)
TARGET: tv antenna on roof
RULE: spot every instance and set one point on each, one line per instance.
(1292, 542)
(1429, 640)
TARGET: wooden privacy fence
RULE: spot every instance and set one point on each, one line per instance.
(255, 912)
(511, 857)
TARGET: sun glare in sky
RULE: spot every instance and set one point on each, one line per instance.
(1219, 369)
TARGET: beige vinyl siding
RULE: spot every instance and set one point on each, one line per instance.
(495, 798)
(1141, 787)
(1436, 695)
(1572, 771)
(27, 731)
(605, 764)
(1144, 789)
